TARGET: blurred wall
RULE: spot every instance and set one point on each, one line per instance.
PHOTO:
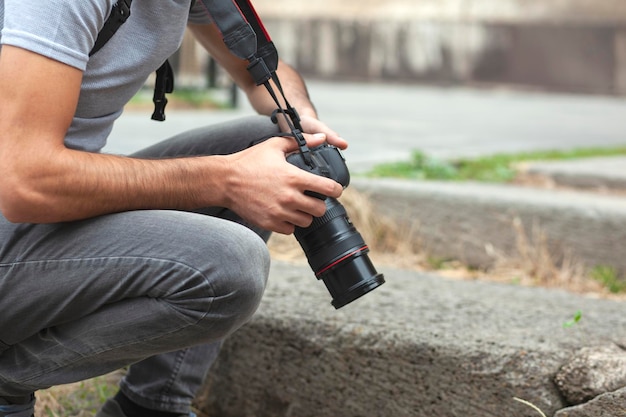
(511, 11)
(564, 45)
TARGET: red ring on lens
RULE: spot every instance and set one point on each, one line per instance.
(340, 260)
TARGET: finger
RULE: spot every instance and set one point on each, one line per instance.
(316, 139)
(311, 125)
(279, 223)
(288, 144)
(300, 219)
(284, 228)
(332, 137)
(288, 227)
(322, 137)
(309, 207)
(322, 185)
(337, 141)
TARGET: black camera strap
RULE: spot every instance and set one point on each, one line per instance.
(246, 37)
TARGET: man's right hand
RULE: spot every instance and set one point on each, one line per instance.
(266, 190)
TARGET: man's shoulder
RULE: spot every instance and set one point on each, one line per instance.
(63, 30)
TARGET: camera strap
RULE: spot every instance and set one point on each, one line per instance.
(245, 36)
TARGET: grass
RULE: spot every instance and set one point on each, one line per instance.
(494, 168)
(609, 278)
(574, 321)
(532, 262)
(81, 399)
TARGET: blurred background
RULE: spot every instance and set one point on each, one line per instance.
(574, 46)
(523, 94)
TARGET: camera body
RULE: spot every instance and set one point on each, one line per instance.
(326, 161)
(334, 248)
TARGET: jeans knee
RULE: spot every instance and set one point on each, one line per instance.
(239, 284)
(248, 279)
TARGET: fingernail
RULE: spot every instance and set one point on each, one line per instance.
(319, 136)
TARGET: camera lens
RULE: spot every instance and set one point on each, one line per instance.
(338, 255)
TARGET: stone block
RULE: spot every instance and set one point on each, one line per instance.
(591, 372)
(419, 345)
(611, 404)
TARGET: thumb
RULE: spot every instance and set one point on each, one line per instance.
(313, 140)
(290, 144)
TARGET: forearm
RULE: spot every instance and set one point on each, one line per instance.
(298, 96)
(76, 185)
(48, 185)
(295, 91)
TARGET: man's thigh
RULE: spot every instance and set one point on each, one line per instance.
(220, 139)
(55, 273)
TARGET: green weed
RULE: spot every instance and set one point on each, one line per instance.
(494, 168)
(421, 166)
(609, 278)
(575, 320)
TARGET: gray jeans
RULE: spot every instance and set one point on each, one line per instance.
(157, 289)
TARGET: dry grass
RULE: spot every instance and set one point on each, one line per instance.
(81, 399)
(389, 243)
(535, 263)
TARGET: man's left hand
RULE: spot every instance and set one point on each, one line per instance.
(313, 125)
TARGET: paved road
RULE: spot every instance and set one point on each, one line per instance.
(387, 122)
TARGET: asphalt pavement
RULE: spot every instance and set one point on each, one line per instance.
(386, 122)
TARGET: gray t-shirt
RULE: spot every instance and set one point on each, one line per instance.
(65, 30)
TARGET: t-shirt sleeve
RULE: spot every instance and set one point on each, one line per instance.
(199, 14)
(63, 30)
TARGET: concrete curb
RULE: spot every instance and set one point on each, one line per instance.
(476, 222)
(420, 345)
(607, 173)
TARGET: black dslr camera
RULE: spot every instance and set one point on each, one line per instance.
(334, 248)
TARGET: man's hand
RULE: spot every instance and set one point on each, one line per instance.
(262, 187)
(313, 125)
(269, 192)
